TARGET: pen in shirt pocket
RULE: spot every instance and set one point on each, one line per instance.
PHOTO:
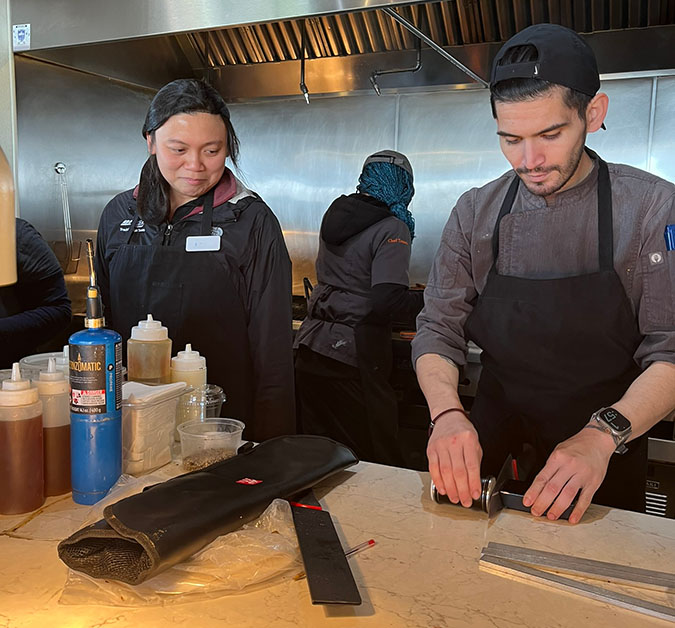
(670, 237)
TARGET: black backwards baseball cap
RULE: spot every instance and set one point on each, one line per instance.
(390, 157)
(563, 58)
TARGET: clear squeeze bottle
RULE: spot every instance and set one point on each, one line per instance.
(21, 464)
(149, 353)
(189, 367)
(54, 393)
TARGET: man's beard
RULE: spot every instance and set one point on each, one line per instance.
(566, 172)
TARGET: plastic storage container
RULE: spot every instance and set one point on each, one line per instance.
(200, 403)
(189, 367)
(148, 423)
(32, 365)
(203, 443)
(54, 391)
(149, 353)
(21, 449)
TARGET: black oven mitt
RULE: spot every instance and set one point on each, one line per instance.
(142, 535)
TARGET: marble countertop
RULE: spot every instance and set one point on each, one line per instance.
(423, 571)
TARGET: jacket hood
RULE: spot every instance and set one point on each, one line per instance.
(349, 215)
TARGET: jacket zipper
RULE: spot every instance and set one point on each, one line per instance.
(166, 241)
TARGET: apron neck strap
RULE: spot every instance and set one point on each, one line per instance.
(605, 221)
(207, 212)
(505, 209)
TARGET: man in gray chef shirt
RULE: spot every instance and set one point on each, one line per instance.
(560, 272)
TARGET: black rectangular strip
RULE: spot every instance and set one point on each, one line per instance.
(512, 493)
(329, 577)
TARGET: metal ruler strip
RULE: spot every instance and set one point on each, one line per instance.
(500, 566)
(623, 574)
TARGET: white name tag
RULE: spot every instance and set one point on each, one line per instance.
(202, 243)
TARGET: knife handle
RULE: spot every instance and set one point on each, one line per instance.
(512, 493)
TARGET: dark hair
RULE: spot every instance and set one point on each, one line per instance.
(521, 89)
(181, 96)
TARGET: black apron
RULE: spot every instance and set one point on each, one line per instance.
(555, 351)
(194, 296)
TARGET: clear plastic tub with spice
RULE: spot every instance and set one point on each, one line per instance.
(209, 441)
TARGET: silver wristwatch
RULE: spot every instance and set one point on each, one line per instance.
(612, 422)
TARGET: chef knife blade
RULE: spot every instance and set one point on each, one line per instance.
(494, 500)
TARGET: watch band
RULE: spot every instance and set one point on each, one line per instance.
(619, 438)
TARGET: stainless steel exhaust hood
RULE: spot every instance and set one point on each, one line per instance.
(252, 49)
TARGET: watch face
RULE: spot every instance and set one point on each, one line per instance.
(615, 419)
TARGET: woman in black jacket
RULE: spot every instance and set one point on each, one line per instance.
(195, 248)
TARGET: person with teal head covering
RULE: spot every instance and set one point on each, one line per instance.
(344, 350)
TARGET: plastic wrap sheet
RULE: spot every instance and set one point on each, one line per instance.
(263, 552)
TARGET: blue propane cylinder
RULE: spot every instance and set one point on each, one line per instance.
(95, 402)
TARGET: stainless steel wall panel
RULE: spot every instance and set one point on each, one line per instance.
(662, 160)
(90, 124)
(626, 138)
(299, 158)
(450, 139)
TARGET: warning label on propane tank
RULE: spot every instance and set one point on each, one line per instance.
(88, 397)
(87, 379)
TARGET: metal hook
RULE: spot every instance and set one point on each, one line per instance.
(415, 68)
(303, 87)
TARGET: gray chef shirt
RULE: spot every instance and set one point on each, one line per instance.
(540, 241)
(345, 274)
